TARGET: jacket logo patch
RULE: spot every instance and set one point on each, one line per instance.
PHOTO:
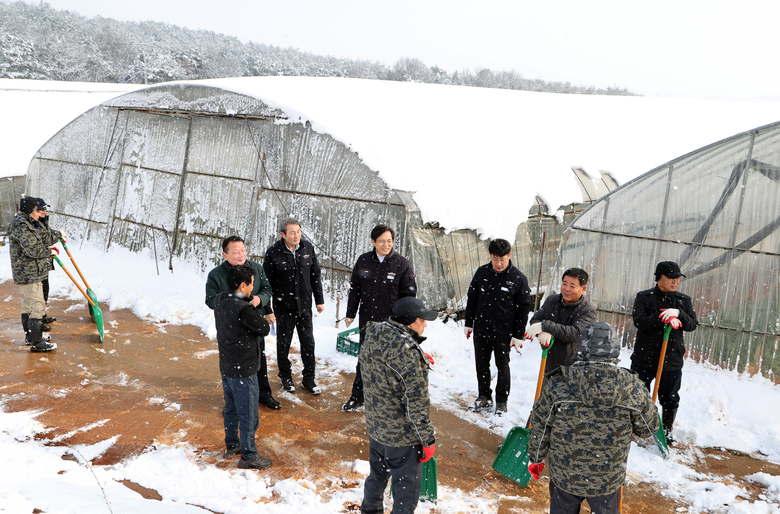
(391, 276)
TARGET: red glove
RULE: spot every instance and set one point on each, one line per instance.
(675, 323)
(467, 331)
(536, 470)
(54, 249)
(429, 358)
(428, 451)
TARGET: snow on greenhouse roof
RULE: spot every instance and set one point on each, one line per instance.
(476, 157)
(34, 110)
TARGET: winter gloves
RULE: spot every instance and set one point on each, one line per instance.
(670, 316)
(468, 331)
(545, 338)
(516, 344)
(536, 470)
(428, 452)
(534, 330)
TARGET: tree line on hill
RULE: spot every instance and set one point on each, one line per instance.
(42, 43)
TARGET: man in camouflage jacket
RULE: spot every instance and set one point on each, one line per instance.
(30, 239)
(584, 421)
(395, 371)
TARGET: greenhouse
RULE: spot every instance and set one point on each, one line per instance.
(173, 169)
(715, 211)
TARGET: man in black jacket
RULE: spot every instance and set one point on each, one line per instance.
(239, 329)
(235, 254)
(499, 300)
(563, 316)
(379, 278)
(653, 309)
(294, 273)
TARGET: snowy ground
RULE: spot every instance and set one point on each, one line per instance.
(719, 409)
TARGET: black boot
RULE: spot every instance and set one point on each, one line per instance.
(26, 327)
(48, 319)
(37, 343)
(668, 422)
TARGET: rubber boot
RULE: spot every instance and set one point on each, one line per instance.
(668, 422)
(48, 319)
(26, 327)
(37, 343)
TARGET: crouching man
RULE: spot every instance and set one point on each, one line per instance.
(395, 382)
(240, 328)
(583, 423)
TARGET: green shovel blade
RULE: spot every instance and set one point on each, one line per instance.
(512, 460)
(660, 440)
(429, 489)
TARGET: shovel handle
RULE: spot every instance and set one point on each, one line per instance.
(74, 280)
(540, 380)
(667, 331)
(62, 241)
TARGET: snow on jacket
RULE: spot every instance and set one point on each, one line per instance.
(239, 328)
(375, 286)
(564, 322)
(293, 278)
(217, 282)
(650, 334)
(498, 304)
(583, 423)
(395, 381)
(30, 248)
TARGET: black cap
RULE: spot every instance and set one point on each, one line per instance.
(668, 268)
(411, 307)
(41, 204)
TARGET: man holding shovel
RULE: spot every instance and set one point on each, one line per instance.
(30, 241)
(653, 310)
(583, 424)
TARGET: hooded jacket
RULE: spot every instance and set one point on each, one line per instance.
(650, 333)
(583, 423)
(395, 381)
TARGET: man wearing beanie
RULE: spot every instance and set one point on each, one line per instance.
(653, 310)
(398, 421)
(31, 240)
(583, 424)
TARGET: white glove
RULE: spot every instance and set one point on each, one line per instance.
(534, 330)
(668, 314)
(516, 344)
(63, 236)
(675, 323)
(468, 331)
(545, 338)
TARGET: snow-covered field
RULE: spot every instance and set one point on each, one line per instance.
(719, 409)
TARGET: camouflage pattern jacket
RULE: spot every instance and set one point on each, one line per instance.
(30, 242)
(584, 421)
(395, 381)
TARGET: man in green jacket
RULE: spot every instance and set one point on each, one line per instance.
(583, 424)
(31, 240)
(398, 421)
(235, 254)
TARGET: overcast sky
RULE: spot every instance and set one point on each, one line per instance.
(688, 48)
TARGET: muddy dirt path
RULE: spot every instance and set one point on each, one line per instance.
(153, 383)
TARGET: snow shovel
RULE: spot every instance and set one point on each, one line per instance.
(512, 459)
(93, 306)
(660, 435)
(90, 293)
(429, 485)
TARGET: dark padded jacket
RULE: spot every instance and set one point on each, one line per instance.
(239, 329)
(30, 241)
(293, 278)
(217, 282)
(395, 378)
(650, 333)
(498, 303)
(376, 286)
(564, 323)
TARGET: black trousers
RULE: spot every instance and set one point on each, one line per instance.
(668, 386)
(286, 323)
(483, 349)
(262, 374)
(403, 465)
(357, 384)
(562, 502)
